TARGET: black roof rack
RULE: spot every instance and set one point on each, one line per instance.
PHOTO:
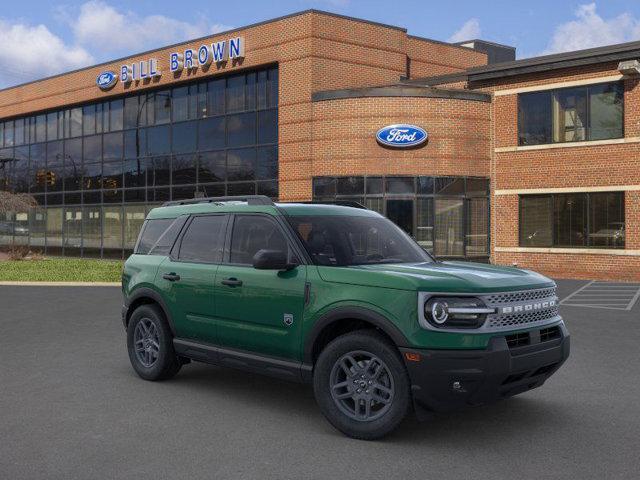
(342, 203)
(250, 199)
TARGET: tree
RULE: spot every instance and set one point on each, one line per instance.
(16, 202)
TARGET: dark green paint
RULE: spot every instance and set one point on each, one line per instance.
(251, 316)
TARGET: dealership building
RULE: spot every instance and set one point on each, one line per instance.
(533, 162)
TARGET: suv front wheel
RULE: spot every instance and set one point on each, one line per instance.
(361, 385)
(150, 344)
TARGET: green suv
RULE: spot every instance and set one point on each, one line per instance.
(340, 297)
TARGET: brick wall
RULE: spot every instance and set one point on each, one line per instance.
(429, 58)
(314, 51)
(581, 167)
(344, 137)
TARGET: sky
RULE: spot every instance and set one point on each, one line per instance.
(39, 38)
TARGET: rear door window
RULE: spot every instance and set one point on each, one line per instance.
(203, 242)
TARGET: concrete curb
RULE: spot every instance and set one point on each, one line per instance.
(61, 284)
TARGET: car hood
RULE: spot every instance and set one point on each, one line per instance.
(462, 277)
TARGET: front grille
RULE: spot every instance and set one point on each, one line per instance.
(518, 339)
(521, 296)
(550, 333)
(519, 319)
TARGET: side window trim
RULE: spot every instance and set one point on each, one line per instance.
(180, 222)
(175, 251)
(284, 228)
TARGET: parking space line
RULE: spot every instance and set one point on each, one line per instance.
(612, 296)
(634, 300)
(576, 292)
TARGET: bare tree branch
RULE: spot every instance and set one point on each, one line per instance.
(16, 202)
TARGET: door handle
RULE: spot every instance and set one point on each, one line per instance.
(172, 277)
(232, 282)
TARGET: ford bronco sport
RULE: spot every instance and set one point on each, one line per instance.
(339, 297)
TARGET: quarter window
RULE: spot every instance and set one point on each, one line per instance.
(150, 234)
(593, 112)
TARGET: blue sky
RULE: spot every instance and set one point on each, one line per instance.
(43, 37)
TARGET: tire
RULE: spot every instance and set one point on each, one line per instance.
(363, 408)
(155, 358)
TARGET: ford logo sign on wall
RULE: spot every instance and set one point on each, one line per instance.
(106, 80)
(401, 136)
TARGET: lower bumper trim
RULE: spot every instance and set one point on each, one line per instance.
(445, 380)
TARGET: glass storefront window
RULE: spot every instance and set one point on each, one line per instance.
(134, 216)
(575, 114)
(446, 226)
(400, 185)
(91, 231)
(217, 137)
(37, 227)
(112, 227)
(72, 231)
(449, 227)
(424, 223)
(593, 220)
(477, 232)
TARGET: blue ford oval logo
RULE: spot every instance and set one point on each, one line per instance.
(106, 80)
(401, 136)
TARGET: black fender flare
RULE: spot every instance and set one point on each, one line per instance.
(351, 313)
(145, 292)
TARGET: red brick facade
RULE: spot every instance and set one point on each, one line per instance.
(468, 136)
(578, 168)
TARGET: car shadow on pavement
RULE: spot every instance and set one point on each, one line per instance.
(494, 423)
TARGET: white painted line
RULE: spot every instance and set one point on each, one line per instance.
(577, 291)
(61, 284)
(590, 294)
(597, 306)
(634, 300)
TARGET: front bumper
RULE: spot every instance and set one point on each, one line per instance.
(444, 380)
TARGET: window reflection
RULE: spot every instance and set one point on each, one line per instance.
(131, 151)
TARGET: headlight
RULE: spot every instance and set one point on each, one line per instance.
(456, 312)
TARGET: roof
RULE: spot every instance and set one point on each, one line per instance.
(405, 89)
(590, 56)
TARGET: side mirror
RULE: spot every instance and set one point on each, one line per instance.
(271, 260)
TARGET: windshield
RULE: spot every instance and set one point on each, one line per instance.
(343, 241)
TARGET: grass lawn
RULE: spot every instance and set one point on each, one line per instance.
(61, 270)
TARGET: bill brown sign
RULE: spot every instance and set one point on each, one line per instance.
(189, 59)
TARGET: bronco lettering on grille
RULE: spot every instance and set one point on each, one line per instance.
(528, 307)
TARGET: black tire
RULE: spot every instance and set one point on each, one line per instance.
(166, 363)
(329, 370)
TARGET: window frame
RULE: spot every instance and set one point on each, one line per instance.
(174, 253)
(553, 232)
(552, 93)
(293, 242)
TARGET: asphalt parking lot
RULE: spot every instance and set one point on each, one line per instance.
(71, 407)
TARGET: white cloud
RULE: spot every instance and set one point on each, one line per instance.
(591, 30)
(98, 32)
(28, 52)
(104, 29)
(469, 31)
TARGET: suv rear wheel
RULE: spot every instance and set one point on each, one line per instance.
(361, 385)
(150, 344)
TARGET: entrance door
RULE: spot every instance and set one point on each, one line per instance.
(400, 212)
